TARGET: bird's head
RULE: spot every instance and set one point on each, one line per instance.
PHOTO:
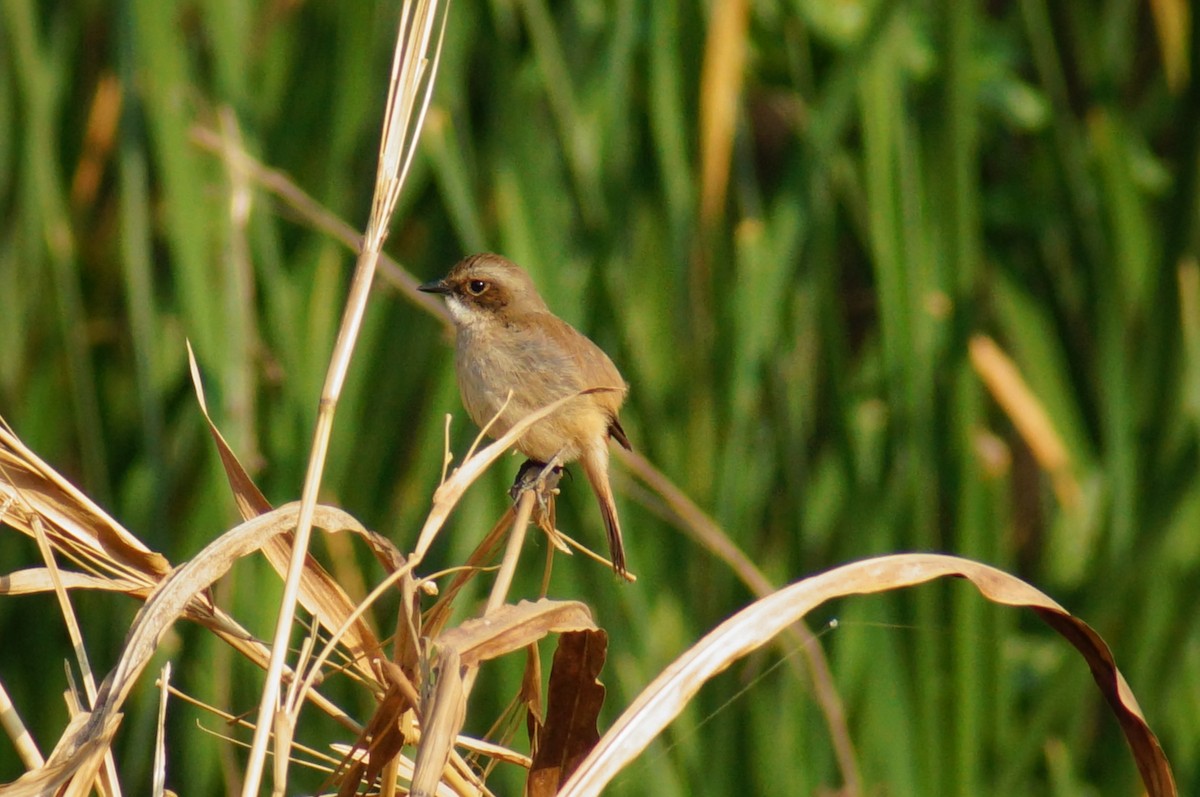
(485, 288)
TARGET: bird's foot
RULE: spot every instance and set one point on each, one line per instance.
(540, 477)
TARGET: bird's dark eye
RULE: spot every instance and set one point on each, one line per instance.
(476, 287)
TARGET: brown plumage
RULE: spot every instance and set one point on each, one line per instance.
(507, 339)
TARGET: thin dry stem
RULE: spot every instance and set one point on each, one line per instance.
(26, 747)
(64, 606)
(242, 722)
(409, 91)
(487, 427)
(108, 772)
(159, 784)
(516, 539)
(285, 713)
(388, 777)
(447, 456)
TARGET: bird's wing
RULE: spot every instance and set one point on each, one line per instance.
(592, 365)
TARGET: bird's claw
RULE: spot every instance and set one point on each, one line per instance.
(541, 478)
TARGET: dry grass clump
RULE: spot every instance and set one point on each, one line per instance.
(422, 688)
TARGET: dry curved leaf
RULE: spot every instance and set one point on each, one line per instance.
(573, 706)
(37, 579)
(74, 524)
(512, 627)
(758, 623)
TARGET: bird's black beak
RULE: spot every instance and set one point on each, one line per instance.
(437, 286)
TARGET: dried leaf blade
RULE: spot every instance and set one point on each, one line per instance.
(575, 697)
(514, 626)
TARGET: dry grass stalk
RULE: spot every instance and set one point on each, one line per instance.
(159, 783)
(409, 91)
(25, 745)
(108, 771)
(451, 490)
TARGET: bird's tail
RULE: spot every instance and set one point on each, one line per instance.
(595, 465)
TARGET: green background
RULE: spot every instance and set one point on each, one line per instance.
(902, 176)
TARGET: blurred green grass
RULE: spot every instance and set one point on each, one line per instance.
(903, 176)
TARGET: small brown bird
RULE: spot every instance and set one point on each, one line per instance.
(508, 340)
